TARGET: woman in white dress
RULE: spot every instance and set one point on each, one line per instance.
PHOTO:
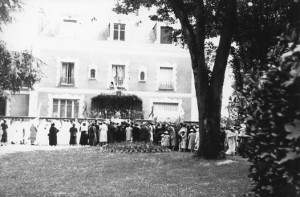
(103, 134)
(231, 138)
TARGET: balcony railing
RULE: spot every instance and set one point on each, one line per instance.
(166, 85)
(67, 81)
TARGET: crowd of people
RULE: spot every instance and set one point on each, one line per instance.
(179, 137)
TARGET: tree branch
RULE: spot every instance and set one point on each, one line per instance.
(188, 30)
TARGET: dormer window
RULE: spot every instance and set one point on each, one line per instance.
(119, 31)
(166, 35)
(162, 33)
(69, 27)
(70, 21)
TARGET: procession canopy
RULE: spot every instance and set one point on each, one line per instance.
(117, 106)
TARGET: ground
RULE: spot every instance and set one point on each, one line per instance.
(85, 171)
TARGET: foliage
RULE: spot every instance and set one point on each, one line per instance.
(136, 147)
(258, 25)
(17, 70)
(6, 8)
(273, 121)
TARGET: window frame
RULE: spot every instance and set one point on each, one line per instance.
(59, 61)
(123, 79)
(167, 115)
(90, 68)
(161, 29)
(111, 27)
(59, 100)
(119, 31)
(141, 70)
(80, 99)
(174, 76)
(71, 78)
(124, 86)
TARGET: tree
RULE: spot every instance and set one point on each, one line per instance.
(199, 20)
(17, 69)
(273, 119)
(266, 68)
(6, 8)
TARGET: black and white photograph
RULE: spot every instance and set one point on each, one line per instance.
(162, 98)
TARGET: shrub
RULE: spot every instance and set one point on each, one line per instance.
(273, 120)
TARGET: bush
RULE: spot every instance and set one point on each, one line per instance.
(273, 120)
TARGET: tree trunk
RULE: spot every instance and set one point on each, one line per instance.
(201, 87)
(209, 93)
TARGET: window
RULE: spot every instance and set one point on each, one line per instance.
(92, 71)
(165, 107)
(92, 74)
(67, 74)
(65, 108)
(2, 106)
(166, 78)
(118, 75)
(69, 27)
(119, 31)
(70, 21)
(142, 76)
(166, 35)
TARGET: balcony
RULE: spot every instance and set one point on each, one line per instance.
(166, 85)
(67, 81)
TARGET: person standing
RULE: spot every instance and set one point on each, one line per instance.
(128, 133)
(145, 134)
(183, 133)
(103, 134)
(197, 139)
(97, 132)
(92, 135)
(73, 135)
(192, 139)
(33, 133)
(83, 136)
(151, 130)
(136, 133)
(53, 135)
(4, 127)
(111, 132)
(173, 137)
(165, 140)
(231, 138)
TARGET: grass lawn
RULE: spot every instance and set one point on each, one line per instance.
(88, 172)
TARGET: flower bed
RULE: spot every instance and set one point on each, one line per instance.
(133, 148)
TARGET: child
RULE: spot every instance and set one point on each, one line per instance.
(165, 141)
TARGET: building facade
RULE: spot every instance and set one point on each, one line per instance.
(90, 50)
